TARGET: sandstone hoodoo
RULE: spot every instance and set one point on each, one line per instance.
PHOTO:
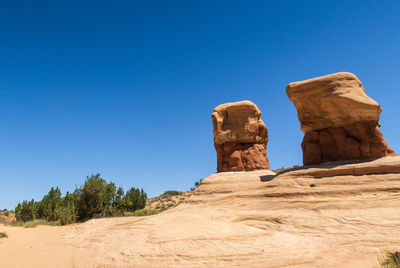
(240, 137)
(339, 120)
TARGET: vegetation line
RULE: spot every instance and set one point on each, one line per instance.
(95, 199)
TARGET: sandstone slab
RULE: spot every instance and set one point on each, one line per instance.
(325, 216)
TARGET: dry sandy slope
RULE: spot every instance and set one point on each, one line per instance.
(40, 247)
(330, 216)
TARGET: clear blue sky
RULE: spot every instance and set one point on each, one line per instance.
(126, 88)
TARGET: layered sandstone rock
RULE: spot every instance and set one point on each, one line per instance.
(347, 213)
(339, 120)
(240, 137)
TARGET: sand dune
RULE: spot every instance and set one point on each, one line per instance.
(327, 216)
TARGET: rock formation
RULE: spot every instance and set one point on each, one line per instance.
(325, 216)
(339, 120)
(240, 137)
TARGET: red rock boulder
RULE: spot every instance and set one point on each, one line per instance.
(339, 120)
(240, 137)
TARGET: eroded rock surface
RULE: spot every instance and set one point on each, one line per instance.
(240, 137)
(326, 216)
(339, 120)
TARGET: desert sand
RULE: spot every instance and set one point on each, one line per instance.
(332, 215)
(40, 247)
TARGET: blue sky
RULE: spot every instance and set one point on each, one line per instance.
(126, 88)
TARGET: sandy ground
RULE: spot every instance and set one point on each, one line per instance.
(328, 216)
(40, 247)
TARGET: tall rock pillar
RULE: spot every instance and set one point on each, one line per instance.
(240, 137)
(339, 120)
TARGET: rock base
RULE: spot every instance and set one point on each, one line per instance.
(241, 157)
(361, 140)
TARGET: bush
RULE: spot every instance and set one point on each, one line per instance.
(196, 184)
(135, 199)
(172, 193)
(34, 223)
(95, 199)
(3, 235)
(48, 208)
(119, 202)
(26, 211)
(141, 212)
(391, 260)
(7, 217)
(67, 211)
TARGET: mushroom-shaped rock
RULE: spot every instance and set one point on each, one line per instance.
(339, 120)
(240, 137)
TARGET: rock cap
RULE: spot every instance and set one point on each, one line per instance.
(238, 122)
(332, 100)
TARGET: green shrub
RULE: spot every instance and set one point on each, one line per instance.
(141, 212)
(68, 211)
(25, 211)
(95, 199)
(135, 199)
(48, 207)
(391, 260)
(172, 193)
(119, 202)
(34, 223)
(196, 184)
(3, 235)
